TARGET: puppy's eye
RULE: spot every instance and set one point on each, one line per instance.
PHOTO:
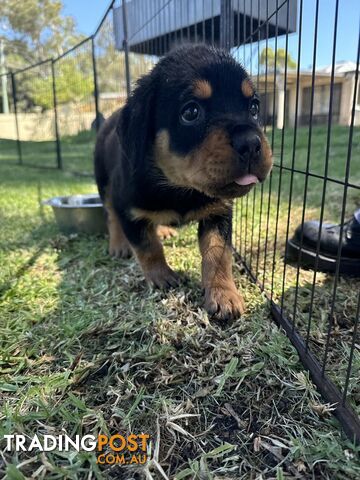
(190, 113)
(254, 109)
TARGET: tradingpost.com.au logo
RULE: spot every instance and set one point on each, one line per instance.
(114, 449)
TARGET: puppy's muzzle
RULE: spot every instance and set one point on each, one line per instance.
(247, 144)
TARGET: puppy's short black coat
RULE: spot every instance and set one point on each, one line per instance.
(186, 143)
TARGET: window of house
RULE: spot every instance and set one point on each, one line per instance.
(321, 99)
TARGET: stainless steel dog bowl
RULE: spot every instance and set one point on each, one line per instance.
(79, 213)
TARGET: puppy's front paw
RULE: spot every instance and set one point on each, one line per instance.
(120, 250)
(165, 232)
(161, 276)
(224, 303)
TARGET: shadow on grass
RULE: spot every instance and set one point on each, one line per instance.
(335, 333)
(88, 348)
(115, 356)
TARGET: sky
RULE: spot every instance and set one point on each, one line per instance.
(88, 14)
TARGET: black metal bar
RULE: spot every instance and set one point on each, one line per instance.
(262, 185)
(281, 148)
(188, 33)
(195, 24)
(126, 48)
(244, 209)
(272, 142)
(212, 23)
(252, 226)
(307, 168)
(18, 143)
(96, 90)
(323, 196)
(168, 35)
(246, 226)
(241, 223)
(87, 39)
(29, 67)
(357, 315)
(265, 22)
(226, 25)
(56, 119)
(352, 349)
(163, 23)
(104, 18)
(265, 127)
(342, 410)
(149, 20)
(203, 23)
(251, 73)
(292, 169)
(343, 210)
(244, 30)
(315, 175)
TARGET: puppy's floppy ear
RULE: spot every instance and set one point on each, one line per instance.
(136, 129)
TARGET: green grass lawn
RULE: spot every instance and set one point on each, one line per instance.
(86, 347)
(76, 152)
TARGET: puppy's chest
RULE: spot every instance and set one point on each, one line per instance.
(173, 217)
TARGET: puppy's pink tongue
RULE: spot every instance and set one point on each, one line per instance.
(247, 180)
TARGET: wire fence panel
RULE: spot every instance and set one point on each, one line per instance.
(110, 69)
(74, 87)
(315, 177)
(35, 117)
(8, 128)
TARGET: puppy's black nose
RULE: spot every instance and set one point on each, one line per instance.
(247, 144)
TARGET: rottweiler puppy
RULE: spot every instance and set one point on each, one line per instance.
(187, 142)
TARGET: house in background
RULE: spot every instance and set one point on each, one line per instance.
(342, 100)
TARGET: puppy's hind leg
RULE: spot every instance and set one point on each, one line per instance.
(118, 243)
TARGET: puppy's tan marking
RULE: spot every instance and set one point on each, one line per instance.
(220, 207)
(170, 217)
(208, 167)
(161, 217)
(247, 88)
(202, 89)
(216, 260)
(203, 168)
(118, 243)
(152, 261)
(267, 153)
(221, 296)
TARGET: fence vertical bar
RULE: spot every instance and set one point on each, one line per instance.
(13, 88)
(96, 90)
(126, 47)
(226, 42)
(226, 25)
(56, 118)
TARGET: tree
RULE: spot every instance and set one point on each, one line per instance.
(281, 59)
(74, 82)
(34, 30)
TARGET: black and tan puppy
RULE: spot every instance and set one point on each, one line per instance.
(187, 142)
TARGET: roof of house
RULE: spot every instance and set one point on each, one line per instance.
(340, 67)
(340, 70)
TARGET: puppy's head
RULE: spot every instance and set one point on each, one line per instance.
(202, 112)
